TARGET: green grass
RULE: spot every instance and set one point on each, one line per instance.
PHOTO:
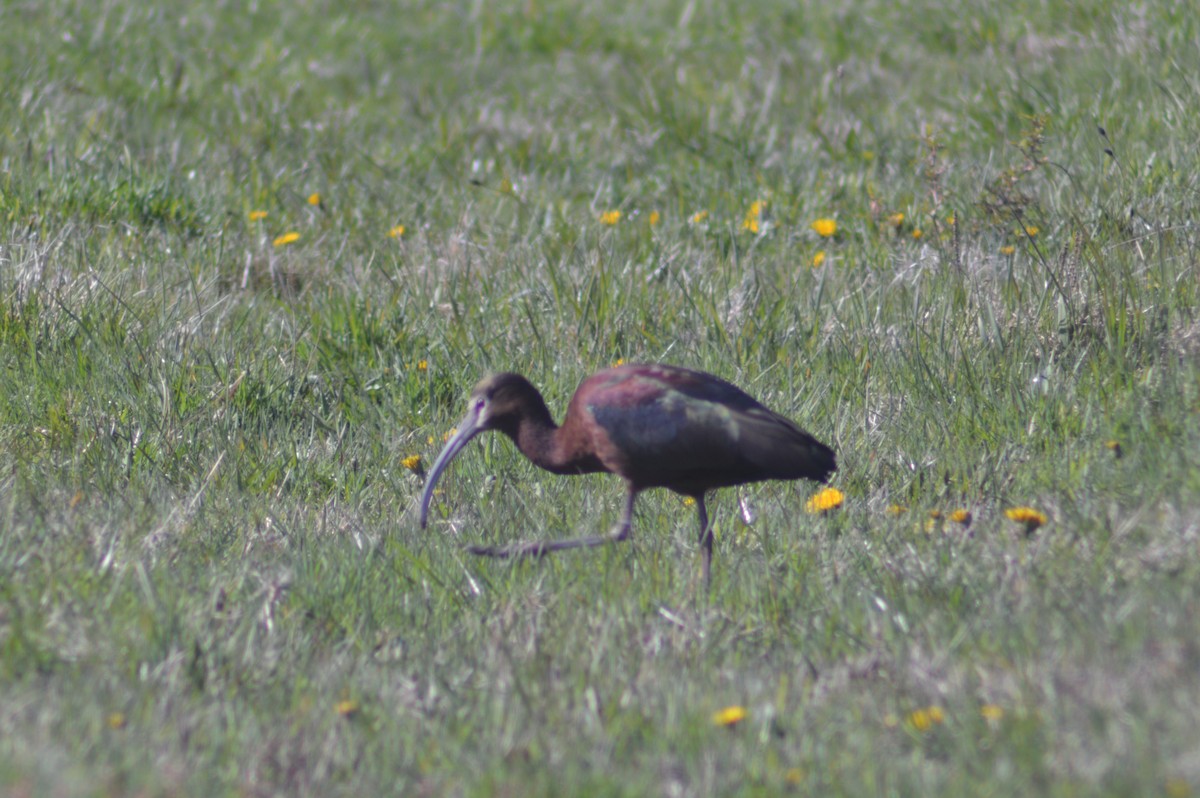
(212, 581)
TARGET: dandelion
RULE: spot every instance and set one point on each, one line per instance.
(730, 716)
(116, 720)
(396, 232)
(285, 239)
(610, 218)
(991, 712)
(314, 198)
(688, 501)
(753, 216)
(824, 501)
(961, 516)
(1007, 249)
(916, 234)
(654, 218)
(429, 440)
(1177, 787)
(346, 708)
(699, 217)
(926, 718)
(896, 219)
(1031, 518)
(256, 216)
(1032, 230)
(934, 521)
(422, 365)
(412, 463)
(825, 228)
(1115, 448)
(896, 509)
(818, 259)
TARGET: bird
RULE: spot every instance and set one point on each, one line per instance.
(653, 425)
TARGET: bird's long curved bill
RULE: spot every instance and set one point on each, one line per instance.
(467, 429)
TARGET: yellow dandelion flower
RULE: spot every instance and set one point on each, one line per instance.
(1115, 448)
(1028, 516)
(285, 239)
(730, 716)
(825, 228)
(925, 718)
(610, 218)
(961, 516)
(346, 708)
(412, 463)
(619, 362)
(991, 712)
(818, 259)
(1032, 230)
(256, 216)
(1177, 787)
(429, 440)
(116, 720)
(896, 509)
(952, 220)
(396, 232)
(688, 501)
(422, 365)
(919, 719)
(917, 233)
(314, 198)
(699, 217)
(896, 219)
(1007, 249)
(751, 220)
(825, 500)
(654, 218)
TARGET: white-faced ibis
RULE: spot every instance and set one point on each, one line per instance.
(655, 426)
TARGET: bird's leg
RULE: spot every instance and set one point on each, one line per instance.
(706, 538)
(540, 548)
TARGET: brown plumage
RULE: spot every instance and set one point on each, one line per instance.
(654, 426)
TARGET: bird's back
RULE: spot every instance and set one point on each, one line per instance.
(664, 426)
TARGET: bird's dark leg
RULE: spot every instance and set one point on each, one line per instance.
(540, 548)
(706, 537)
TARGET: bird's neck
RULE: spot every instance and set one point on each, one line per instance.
(536, 435)
(536, 439)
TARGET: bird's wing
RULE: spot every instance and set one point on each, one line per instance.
(690, 432)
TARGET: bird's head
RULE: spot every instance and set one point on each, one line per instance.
(499, 402)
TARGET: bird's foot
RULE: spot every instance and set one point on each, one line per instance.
(533, 549)
(540, 548)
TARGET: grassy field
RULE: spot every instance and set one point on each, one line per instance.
(252, 259)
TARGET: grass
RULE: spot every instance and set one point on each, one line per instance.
(211, 577)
